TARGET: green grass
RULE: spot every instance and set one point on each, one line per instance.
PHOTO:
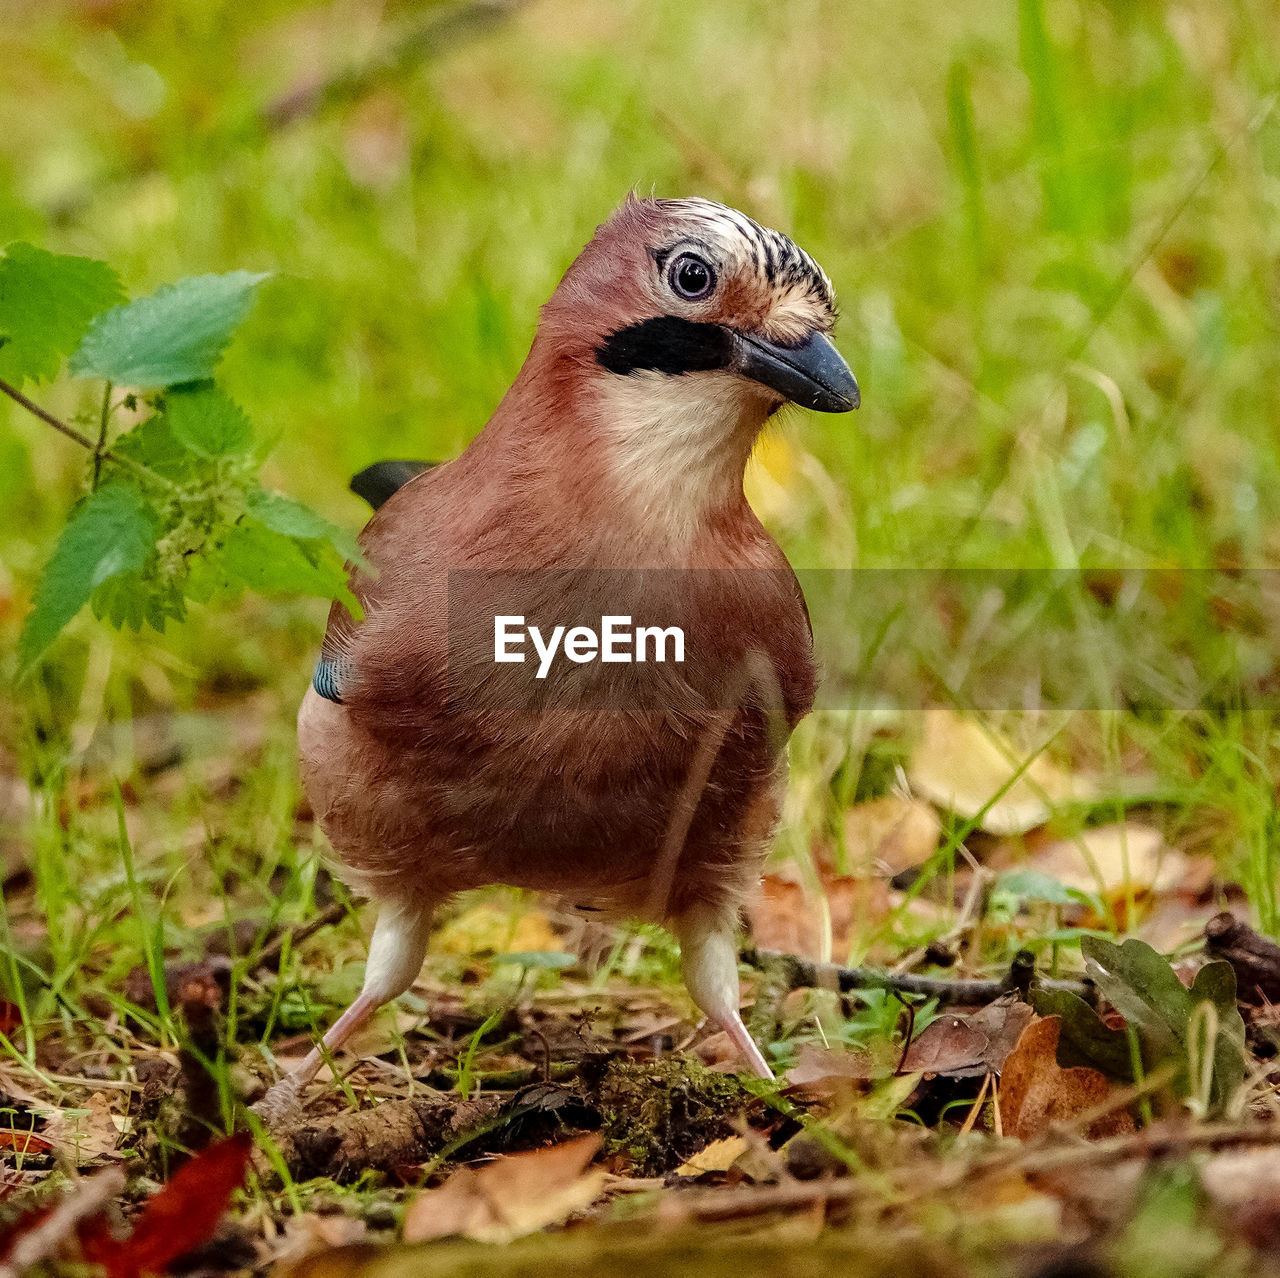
(1054, 229)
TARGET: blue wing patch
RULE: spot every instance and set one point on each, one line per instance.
(327, 680)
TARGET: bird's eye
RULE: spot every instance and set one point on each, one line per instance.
(690, 277)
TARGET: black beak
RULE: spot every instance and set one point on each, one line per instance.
(812, 374)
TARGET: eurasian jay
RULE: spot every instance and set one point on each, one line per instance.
(617, 454)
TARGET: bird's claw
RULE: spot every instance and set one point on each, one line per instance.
(281, 1107)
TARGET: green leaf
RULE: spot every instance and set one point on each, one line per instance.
(154, 445)
(273, 563)
(284, 515)
(46, 303)
(110, 532)
(1084, 1039)
(1216, 983)
(1142, 987)
(138, 599)
(178, 334)
(1145, 990)
(207, 421)
(1032, 885)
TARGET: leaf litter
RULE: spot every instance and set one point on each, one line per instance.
(593, 1098)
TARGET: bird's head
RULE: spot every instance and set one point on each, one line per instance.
(672, 289)
(683, 325)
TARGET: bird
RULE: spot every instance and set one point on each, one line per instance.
(607, 483)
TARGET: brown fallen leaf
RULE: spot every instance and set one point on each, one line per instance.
(1036, 1092)
(816, 1065)
(514, 1195)
(1244, 1184)
(718, 1156)
(962, 766)
(89, 1133)
(491, 928)
(784, 916)
(308, 1234)
(969, 1046)
(891, 834)
(1113, 860)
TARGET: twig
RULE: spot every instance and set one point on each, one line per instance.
(1255, 958)
(100, 454)
(45, 416)
(1147, 1143)
(428, 39)
(42, 1241)
(804, 974)
(334, 912)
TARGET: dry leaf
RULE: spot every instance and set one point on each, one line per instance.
(489, 928)
(948, 1045)
(1237, 1177)
(962, 766)
(719, 1156)
(816, 1065)
(184, 1214)
(1113, 860)
(1036, 1092)
(89, 1133)
(308, 1234)
(969, 1046)
(889, 835)
(383, 1033)
(514, 1195)
(786, 917)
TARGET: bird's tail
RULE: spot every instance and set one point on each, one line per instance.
(376, 483)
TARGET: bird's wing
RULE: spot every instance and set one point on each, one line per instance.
(378, 482)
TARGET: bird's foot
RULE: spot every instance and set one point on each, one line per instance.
(281, 1107)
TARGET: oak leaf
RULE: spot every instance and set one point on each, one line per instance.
(1036, 1092)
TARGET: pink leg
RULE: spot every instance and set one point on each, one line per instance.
(709, 960)
(396, 951)
(335, 1038)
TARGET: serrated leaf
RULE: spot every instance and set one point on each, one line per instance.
(110, 532)
(284, 515)
(176, 335)
(208, 422)
(153, 444)
(273, 563)
(46, 303)
(134, 600)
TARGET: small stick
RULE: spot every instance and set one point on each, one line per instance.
(803, 974)
(100, 454)
(334, 912)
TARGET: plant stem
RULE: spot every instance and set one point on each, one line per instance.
(103, 420)
(100, 454)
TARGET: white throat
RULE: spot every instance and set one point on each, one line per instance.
(679, 444)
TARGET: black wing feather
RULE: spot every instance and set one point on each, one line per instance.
(376, 483)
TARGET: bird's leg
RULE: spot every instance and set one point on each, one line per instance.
(709, 961)
(396, 951)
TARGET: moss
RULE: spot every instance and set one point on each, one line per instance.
(659, 1113)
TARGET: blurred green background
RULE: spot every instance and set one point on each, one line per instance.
(1053, 226)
